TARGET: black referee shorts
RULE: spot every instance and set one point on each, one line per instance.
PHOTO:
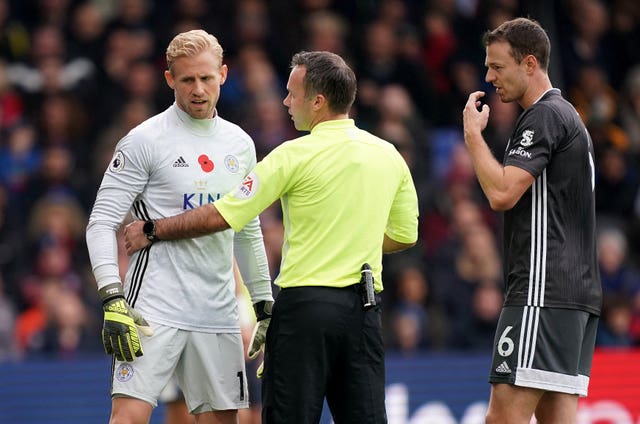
(321, 342)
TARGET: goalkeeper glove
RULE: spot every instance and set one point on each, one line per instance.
(119, 333)
(263, 316)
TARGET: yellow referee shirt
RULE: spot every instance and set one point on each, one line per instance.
(341, 190)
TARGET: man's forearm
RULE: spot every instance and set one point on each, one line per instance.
(391, 246)
(194, 223)
(489, 171)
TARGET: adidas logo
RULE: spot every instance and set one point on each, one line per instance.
(180, 163)
(503, 368)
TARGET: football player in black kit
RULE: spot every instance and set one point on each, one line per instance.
(545, 336)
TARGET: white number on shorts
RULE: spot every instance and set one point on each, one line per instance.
(505, 344)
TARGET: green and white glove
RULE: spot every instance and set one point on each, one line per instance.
(121, 323)
(263, 316)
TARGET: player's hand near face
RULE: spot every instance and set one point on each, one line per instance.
(474, 120)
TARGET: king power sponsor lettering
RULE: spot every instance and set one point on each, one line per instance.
(193, 200)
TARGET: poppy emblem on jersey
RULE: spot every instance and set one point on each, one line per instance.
(231, 163)
(527, 138)
(248, 187)
(205, 163)
(124, 372)
(117, 163)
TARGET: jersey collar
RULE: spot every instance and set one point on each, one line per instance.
(197, 126)
(334, 124)
(551, 90)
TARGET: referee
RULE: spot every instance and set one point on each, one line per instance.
(347, 197)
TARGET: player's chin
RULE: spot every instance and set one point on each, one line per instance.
(504, 97)
(200, 110)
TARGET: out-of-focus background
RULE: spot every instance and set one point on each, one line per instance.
(75, 76)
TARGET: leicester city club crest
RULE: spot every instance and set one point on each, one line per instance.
(527, 138)
(124, 372)
(231, 163)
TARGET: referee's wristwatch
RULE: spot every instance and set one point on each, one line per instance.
(149, 230)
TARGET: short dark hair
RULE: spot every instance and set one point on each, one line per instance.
(525, 36)
(328, 74)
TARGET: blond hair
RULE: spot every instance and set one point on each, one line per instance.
(191, 43)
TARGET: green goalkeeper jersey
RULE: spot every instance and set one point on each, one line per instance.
(341, 189)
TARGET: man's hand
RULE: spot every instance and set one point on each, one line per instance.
(263, 316)
(119, 332)
(134, 237)
(474, 120)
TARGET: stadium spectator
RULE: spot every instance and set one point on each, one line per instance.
(54, 13)
(87, 33)
(463, 76)
(56, 220)
(124, 47)
(11, 102)
(618, 275)
(133, 15)
(13, 259)
(8, 314)
(20, 160)
(15, 37)
(70, 328)
(256, 102)
(630, 110)
(131, 114)
(455, 210)
(617, 186)
(380, 63)
(63, 123)
(625, 31)
(326, 30)
(486, 304)
(461, 268)
(50, 70)
(614, 328)
(415, 323)
(398, 121)
(587, 42)
(57, 176)
(440, 44)
(408, 328)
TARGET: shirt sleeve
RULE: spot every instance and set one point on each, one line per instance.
(268, 182)
(533, 141)
(402, 225)
(125, 178)
(250, 253)
(251, 257)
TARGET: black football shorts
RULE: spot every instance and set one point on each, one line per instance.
(544, 348)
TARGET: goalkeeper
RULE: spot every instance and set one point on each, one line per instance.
(176, 312)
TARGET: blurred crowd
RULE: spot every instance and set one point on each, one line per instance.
(75, 76)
